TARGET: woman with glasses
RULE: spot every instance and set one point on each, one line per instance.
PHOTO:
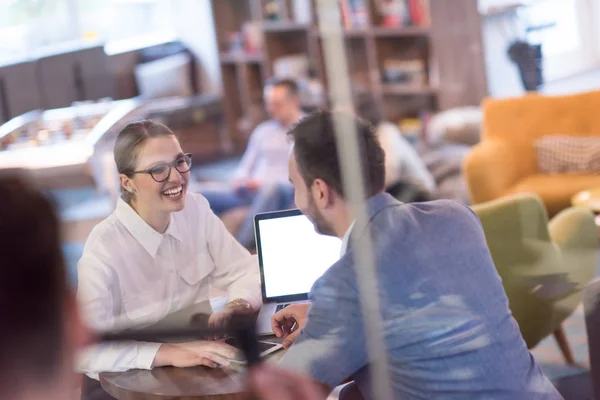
(157, 254)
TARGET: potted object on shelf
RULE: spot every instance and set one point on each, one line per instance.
(276, 10)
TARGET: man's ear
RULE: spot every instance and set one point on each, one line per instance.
(322, 193)
(127, 183)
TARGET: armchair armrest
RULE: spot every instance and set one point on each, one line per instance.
(490, 169)
(574, 228)
(575, 233)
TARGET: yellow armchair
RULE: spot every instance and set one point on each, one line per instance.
(544, 265)
(505, 161)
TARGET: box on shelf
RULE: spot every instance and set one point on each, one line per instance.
(409, 72)
(302, 10)
(294, 66)
(253, 37)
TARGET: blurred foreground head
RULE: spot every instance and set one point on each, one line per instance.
(40, 330)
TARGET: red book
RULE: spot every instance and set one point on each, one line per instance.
(346, 16)
(426, 12)
(415, 9)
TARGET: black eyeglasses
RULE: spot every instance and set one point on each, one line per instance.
(162, 171)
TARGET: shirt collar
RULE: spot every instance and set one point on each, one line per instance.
(374, 205)
(149, 238)
(346, 239)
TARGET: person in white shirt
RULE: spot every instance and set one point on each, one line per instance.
(406, 176)
(158, 253)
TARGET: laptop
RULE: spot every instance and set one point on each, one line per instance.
(291, 257)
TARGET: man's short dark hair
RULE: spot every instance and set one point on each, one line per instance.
(33, 287)
(317, 153)
(289, 84)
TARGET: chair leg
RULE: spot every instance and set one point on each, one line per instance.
(563, 344)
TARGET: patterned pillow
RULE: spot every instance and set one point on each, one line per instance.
(563, 154)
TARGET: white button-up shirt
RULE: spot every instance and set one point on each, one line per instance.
(132, 276)
(346, 239)
(266, 157)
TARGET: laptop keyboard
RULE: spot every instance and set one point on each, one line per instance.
(281, 307)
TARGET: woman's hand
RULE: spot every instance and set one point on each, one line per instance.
(191, 354)
(288, 322)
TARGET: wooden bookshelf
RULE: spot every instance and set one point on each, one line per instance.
(368, 47)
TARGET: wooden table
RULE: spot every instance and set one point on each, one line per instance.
(181, 383)
(589, 199)
(174, 383)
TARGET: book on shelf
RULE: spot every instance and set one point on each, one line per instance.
(399, 13)
(419, 12)
(354, 14)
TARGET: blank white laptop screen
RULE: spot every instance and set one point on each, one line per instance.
(294, 255)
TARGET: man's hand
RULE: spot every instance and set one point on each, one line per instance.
(288, 322)
(221, 319)
(266, 382)
(191, 354)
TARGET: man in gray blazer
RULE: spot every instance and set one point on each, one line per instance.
(446, 324)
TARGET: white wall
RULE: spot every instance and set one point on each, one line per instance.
(576, 84)
(502, 74)
(497, 33)
(193, 20)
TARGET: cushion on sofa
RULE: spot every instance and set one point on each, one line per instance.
(560, 154)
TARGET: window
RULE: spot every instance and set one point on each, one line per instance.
(123, 19)
(557, 23)
(569, 43)
(28, 26)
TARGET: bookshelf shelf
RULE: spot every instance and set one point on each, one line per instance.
(400, 89)
(283, 26)
(349, 33)
(383, 31)
(241, 58)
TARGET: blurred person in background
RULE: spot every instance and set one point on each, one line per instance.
(159, 252)
(406, 176)
(261, 180)
(446, 324)
(41, 329)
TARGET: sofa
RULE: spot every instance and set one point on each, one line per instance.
(506, 162)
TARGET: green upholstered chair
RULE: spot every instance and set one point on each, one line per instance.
(544, 265)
